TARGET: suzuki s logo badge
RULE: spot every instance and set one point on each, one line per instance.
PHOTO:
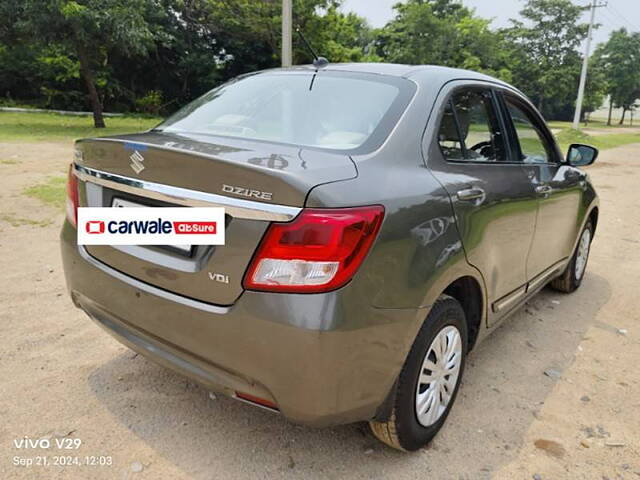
(136, 161)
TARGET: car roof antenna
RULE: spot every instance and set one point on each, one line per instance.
(318, 62)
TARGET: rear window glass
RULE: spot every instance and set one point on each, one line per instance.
(325, 110)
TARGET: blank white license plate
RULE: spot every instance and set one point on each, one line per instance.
(119, 202)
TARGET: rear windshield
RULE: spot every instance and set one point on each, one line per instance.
(325, 110)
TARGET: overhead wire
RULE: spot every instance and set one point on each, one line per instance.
(609, 6)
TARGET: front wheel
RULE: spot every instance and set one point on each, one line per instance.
(572, 277)
(429, 380)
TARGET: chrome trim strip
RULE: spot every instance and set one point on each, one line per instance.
(510, 299)
(158, 292)
(540, 279)
(235, 207)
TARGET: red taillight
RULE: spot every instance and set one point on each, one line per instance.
(72, 197)
(320, 250)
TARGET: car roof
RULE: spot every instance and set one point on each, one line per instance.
(402, 70)
(391, 69)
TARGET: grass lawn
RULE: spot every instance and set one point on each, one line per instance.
(568, 136)
(594, 123)
(53, 127)
(52, 192)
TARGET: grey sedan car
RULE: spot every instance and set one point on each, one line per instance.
(380, 221)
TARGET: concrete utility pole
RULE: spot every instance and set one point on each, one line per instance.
(287, 55)
(585, 65)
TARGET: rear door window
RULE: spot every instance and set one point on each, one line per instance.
(469, 130)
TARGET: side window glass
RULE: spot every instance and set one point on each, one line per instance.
(469, 128)
(533, 145)
(449, 137)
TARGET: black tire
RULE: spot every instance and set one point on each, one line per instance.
(568, 282)
(403, 431)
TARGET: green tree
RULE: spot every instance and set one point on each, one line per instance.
(543, 51)
(153, 55)
(619, 58)
(252, 29)
(341, 37)
(189, 56)
(442, 32)
(91, 29)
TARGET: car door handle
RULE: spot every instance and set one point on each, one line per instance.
(470, 194)
(543, 189)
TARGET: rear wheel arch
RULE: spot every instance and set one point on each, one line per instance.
(593, 216)
(400, 426)
(468, 292)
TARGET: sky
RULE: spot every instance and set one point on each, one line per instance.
(617, 13)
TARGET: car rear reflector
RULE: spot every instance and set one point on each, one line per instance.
(320, 250)
(257, 400)
(72, 197)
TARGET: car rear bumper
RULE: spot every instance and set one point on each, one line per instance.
(323, 359)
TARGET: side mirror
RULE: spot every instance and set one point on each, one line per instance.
(581, 155)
